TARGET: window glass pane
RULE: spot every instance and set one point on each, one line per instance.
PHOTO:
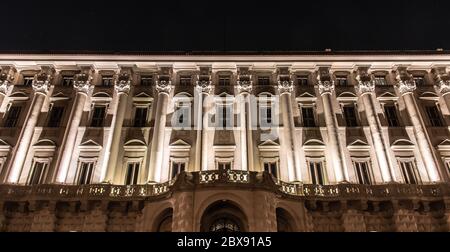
(434, 116)
(308, 117)
(302, 81)
(37, 173)
(67, 81)
(13, 116)
(98, 116)
(146, 80)
(55, 116)
(107, 81)
(391, 116)
(140, 117)
(350, 116)
(264, 81)
(28, 80)
(224, 80)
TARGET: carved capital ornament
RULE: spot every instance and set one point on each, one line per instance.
(6, 78)
(405, 81)
(122, 83)
(365, 82)
(324, 80)
(43, 79)
(82, 82)
(442, 80)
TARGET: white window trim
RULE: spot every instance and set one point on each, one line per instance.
(128, 160)
(415, 168)
(369, 167)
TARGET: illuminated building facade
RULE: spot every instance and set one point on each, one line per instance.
(280, 142)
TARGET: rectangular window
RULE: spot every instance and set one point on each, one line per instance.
(67, 81)
(224, 80)
(263, 81)
(13, 116)
(420, 80)
(140, 117)
(350, 116)
(107, 81)
(434, 116)
(341, 81)
(363, 173)
(391, 116)
(28, 80)
(185, 81)
(132, 175)
(37, 173)
(146, 80)
(56, 115)
(85, 173)
(380, 80)
(409, 174)
(98, 116)
(308, 117)
(316, 171)
(177, 168)
(271, 168)
(224, 165)
(225, 118)
(266, 114)
(302, 81)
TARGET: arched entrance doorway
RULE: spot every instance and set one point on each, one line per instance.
(223, 216)
(285, 222)
(164, 221)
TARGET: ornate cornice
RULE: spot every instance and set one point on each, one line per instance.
(405, 81)
(42, 80)
(365, 82)
(442, 79)
(324, 80)
(82, 82)
(6, 78)
(122, 82)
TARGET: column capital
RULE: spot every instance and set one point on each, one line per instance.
(82, 81)
(6, 78)
(203, 86)
(365, 82)
(324, 80)
(42, 80)
(405, 81)
(244, 80)
(285, 86)
(163, 86)
(442, 79)
(122, 82)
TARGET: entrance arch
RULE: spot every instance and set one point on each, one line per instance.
(285, 221)
(223, 216)
(163, 222)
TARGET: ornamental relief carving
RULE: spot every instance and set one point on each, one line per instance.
(365, 82)
(6, 78)
(42, 80)
(405, 81)
(122, 83)
(82, 82)
(163, 86)
(442, 79)
(324, 80)
(204, 86)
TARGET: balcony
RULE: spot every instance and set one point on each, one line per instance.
(235, 179)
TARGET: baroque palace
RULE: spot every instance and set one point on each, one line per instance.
(204, 142)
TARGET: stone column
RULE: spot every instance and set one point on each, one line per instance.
(41, 84)
(326, 87)
(163, 88)
(122, 87)
(366, 87)
(245, 88)
(406, 86)
(6, 78)
(203, 89)
(83, 87)
(285, 87)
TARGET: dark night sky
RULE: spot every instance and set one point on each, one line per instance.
(132, 25)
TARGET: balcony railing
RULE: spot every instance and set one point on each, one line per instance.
(222, 177)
